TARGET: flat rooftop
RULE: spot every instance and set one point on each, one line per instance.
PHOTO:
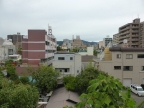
(126, 49)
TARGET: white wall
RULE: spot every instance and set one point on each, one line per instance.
(89, 51)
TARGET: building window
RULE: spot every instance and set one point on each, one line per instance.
(129, 56)
(66, 70)
(117, 67)
(118, 56)
(60, 70)
(61, 58)
(71, 58)
(77, 71)
(142, 68)
(127, 68)
(140, 56)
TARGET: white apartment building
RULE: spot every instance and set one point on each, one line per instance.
(67, 63)
(126, 64)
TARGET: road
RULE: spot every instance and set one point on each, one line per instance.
(137, 98)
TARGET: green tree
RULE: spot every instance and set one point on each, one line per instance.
(24, 79)
(69, 82)
(106, 92)
(82, 80)
(95, 53)
(17, 95)
(59, 48)
(46, 78)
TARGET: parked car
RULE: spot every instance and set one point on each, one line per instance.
(137, 89)
(142, 85)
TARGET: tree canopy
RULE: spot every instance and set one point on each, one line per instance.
(46, 78)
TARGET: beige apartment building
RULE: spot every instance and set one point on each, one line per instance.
(126, 64)
(100, 44)
(78, 43)
(116, 39)
(133, 32)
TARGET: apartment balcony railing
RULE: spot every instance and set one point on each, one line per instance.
(127, 28)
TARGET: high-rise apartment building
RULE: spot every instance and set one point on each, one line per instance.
(116, 39)
(106, 41)
(38, 47)
(133, 32)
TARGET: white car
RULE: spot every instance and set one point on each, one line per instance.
(137, 89)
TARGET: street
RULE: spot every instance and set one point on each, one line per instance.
(137, 98)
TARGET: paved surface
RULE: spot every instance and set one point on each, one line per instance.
(137, 98)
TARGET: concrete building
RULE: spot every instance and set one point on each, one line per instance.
(66, 44)
(6, 49)
(77, 43)
(16, 40)
(1, 41)
(127, 64)
(100, 44)
(115, 39)
(67, 63)
(133, 32)
(89, 51)
(38, 47)
(106, 41)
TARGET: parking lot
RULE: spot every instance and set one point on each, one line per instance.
(137, 98)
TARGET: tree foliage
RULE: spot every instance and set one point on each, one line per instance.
(82, 80)
(106, 92)
(17, 95)
(95, 53)
(69, 82)
(46, 78)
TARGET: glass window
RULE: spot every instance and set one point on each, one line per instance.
(118, 56)
(142, 68)
(117, 67)
(71, 58)
(127, 68)
(61, 58)
(140, 56)
(129, 56)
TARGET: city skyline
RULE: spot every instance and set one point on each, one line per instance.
(92, 20)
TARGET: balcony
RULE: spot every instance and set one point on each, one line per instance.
(134, 35)
(134, 39)
(127, 28)
(48, 55)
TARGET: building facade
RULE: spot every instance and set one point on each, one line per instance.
(38, 47)
(1, 41)
(6, 49)
(133, 32)
(66, 44)
(106, 41)
(67, 63)
(78, 43)
(100, 44)
(16, 40)
(89, 51)
(126, 64)
(115, 39)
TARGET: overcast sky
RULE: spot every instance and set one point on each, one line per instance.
(91, 19)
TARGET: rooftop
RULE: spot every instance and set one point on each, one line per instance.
(125, 49)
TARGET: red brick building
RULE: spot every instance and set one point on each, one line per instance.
(38, 47)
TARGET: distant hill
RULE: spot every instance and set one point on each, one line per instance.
(85, 42)
(91, 43)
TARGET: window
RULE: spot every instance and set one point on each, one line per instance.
(127, 68)
(71, 58)
(140, 56)
(129, 56)
(60, 70)
(142, 68)
(66, 70)
(117, 67)
(61, 58)
(118, 56)
(77, 71)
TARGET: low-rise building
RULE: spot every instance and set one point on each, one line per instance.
(6, 49)
(67, 63)
(126, 64)
(89, 51)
